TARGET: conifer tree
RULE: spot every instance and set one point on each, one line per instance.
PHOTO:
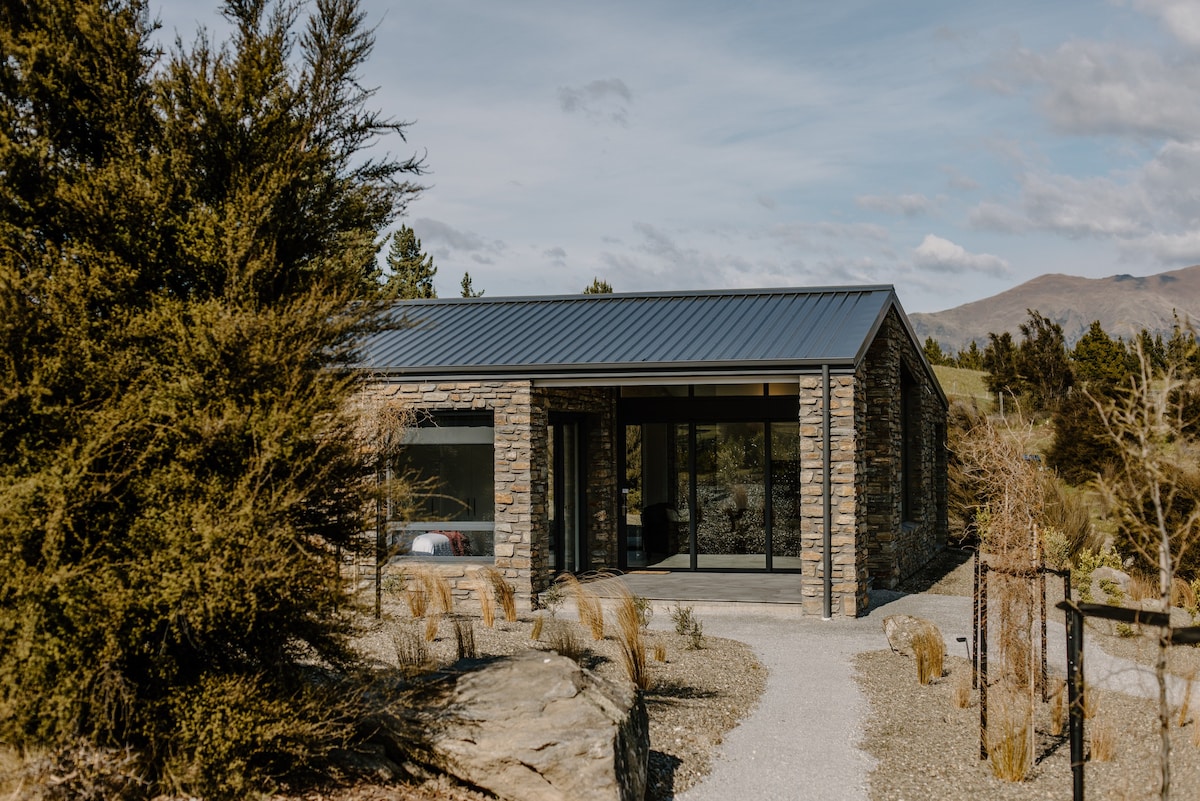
(468, 290)
(412, 271)
(1043, 362)
(971, 358)
(1000, 360)
(187, 252)
(934, 353)
(598, 287)
(1099, 360)
(1082, 448)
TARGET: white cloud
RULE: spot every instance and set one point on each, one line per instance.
(1083, 206)
(943, 256)
(1180, 17)
(1162, 196)
(1175, 249)
(1109, 88)
(911, 205)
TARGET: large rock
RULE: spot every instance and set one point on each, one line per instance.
(532, 727)
(900, 630)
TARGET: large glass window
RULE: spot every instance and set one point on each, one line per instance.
(712, 495)
(451, 458)
(730, 507)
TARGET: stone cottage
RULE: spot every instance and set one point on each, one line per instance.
(775, 430)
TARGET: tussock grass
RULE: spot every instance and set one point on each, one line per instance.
(629, 637)
(535, 633)
(1182, 594)
(431, 627)
(464, 637)
(487, 604)
(1142, 587)
(439, 590)
(504, 593)
(591, 615)
(660, 652)
(1185, 704)
(1010, 752)
(1058, 709)
(1090, 703)
(962, 690)
(437, 595)
(415, 595)
(1104, 740)
(562, 639)
(412, 656)
(930, 650)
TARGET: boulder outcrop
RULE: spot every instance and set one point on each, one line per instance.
(900, 630)
(529, 727)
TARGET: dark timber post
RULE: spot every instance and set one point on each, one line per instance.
(1044, 677)
(975, 625)
(983, 659)
(1075, 695)
(827, 491)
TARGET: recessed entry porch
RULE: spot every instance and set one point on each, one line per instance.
(710, 476)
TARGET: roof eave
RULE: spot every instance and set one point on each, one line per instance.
(614, 371)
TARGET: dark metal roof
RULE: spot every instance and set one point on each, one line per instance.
(731, 332)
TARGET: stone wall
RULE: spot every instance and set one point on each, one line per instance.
(521, 414)
(520, 476)
(849, 570)
(891, 380)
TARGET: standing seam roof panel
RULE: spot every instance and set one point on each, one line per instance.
(742, 327)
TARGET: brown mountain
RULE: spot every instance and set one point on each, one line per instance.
(1124, 305)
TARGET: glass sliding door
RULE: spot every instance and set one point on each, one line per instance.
(730, 505)
(654, 495)
(712, 495)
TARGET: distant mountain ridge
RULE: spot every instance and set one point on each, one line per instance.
(1124, 305)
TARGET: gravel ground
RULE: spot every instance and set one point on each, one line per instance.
(927, 747)
(922, 745)
(697, 695)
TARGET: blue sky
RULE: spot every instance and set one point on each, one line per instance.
(953, 149)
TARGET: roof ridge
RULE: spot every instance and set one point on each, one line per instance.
(846, 289)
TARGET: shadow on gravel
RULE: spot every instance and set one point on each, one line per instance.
(927, 578)
(661, 786)
(942, 565)
(663, 692)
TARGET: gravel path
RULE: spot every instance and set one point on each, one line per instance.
(844, 718)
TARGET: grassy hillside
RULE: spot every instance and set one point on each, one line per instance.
(959, 384)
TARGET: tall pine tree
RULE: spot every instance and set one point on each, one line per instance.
(412, 271)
